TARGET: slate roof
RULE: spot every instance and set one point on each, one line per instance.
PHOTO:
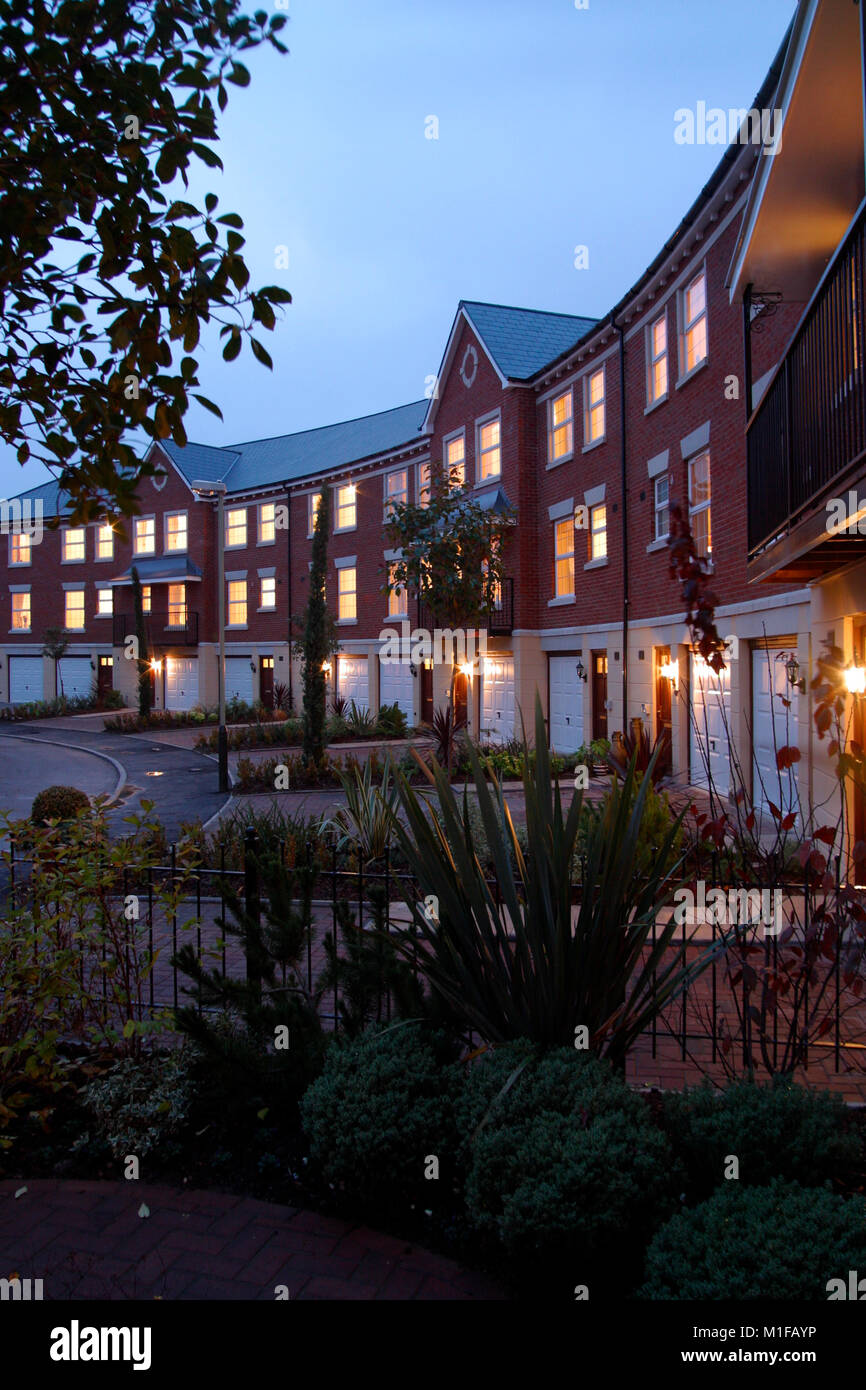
(522, 341)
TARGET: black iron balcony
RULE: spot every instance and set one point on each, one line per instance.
(807, 437)
(499, 620)
(165, 627)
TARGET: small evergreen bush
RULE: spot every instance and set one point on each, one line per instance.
(58, 803)
(779, 1129)
(782, 1241)
(139, 1104)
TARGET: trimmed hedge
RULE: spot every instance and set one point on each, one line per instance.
(58, 803)
(775, 1242)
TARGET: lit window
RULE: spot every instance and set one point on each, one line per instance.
(104, 603)
(694, 310)
(74, 544)
(313, 509)
(267, 523)
(560, 435)
(593, 421)
(20, 549)
(346, 507)
(236, 527)
(598, 532)
(489, 450)
(144, 535)
(176, 605)
(662, 492)
(105, 541)
(176, 531)
(396, 597)
(396, 489)
(347, 596)
(74, 609)
(564, 558)
(455, 461)
(21, 612)
(424, 484)
(146, 597)
(237, 603)
(657, 360)
(699, 503)
(268, 592)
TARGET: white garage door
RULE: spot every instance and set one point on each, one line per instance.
(497, 699)
(397, 687)
(74, 678)
(352, 680)
(566, 705)
(181, 682)
(710, 721)
(25, 679)
(239, 679)
(774, 726)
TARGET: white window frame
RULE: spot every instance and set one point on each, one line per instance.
(143, 521)
(147, 598)
(553, 458)
(79, 627)
(425, 487)
(391, 497)
(101, 590)
(338, 507)
(398, 603)
(589, 407)
(100, 527)
(242, 583)
(235, 511)
(652, 360)
(175, 549)
(68, 532)
(261, 524)
(696, 509)
(482, 479)
(659, 507)
(20, 592)
(263, 580)
(592, 532)
(455, 437)
(311, 512)
(16, 537)
(687, 326)
(564, 526)
(347, 593)
(172, 607)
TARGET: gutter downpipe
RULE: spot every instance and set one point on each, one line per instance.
(624, 494)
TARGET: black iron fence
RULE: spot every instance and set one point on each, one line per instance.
(809, 429)
(163, 626)
(755, 1001)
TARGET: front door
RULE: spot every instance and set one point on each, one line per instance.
(104, 676)
(859, 733)
(426, 678)
(663, 709)
(599, 695)
(266, 681)
(461, 700)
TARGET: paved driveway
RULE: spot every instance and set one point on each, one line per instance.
(26, 768)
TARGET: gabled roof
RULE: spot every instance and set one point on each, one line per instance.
(522, 341)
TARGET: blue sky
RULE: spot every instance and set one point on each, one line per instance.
(555, 130)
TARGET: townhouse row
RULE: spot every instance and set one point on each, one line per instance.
(588, 431)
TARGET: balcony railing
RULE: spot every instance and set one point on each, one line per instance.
(499, 621)
(809, 430)
(165, 627)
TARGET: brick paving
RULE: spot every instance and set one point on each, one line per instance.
(88, 1240)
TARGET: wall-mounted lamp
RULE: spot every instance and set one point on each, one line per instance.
(326, 667)
(414, 669)
(466, 668)
(253, 667)
(855, 679)
(670, 671)
(581, 671)
(792, 670)
(155, 665)
(92, 664)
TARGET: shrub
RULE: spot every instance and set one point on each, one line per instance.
(565, 1167)
(782, 1241)
(780, 1128)
(382, 1105)
(391, 721)
(58, 803)
(139, 1103)
(656, 826)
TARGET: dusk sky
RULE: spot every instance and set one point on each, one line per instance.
(556, 129)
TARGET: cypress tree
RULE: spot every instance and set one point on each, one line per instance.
(317, 638)
(141, 635)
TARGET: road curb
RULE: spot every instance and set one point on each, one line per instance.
(91, 752)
